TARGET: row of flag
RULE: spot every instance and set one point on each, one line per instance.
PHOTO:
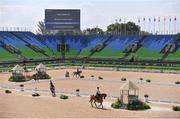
(150, 19)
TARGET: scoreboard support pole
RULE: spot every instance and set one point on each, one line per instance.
(63, 50)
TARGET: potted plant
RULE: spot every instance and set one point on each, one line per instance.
(141, 79)
(77, 92)
(146, 97)
(21, 87)
(92, 76)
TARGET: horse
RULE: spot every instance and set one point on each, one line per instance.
(77, 73)
(94, 98)
(52, 88)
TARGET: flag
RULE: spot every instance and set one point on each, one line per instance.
(175, 19)
(138, 20)
(154, 19)
(144, 19)
(149, 19)
(170, 19)
(164, 18)
(159, 19)
(120, 20)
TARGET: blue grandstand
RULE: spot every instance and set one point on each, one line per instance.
(26, 45)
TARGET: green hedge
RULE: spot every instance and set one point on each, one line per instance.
(137, 105)
(8, 91)
(116, 105)
(63, 97)
(176, 108)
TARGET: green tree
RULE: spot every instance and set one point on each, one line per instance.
(123, 28)
(41, 28)
(93, 31)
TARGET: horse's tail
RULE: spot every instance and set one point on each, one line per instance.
(91, 98)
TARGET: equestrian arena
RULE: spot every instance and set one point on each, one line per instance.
(90, 59)
(163, 94)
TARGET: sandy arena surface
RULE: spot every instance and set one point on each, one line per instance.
(22, 104)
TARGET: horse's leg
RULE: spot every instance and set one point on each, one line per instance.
(95, 103)
(102, 105)
(91, 103)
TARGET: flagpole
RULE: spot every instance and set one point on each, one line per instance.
(175, 25)
(120, 26)
(139, 25)
(125, 25)
(164, 25)
(144, 25)
(149, 24)
(159, 26)
(170, 25)
(154, 25)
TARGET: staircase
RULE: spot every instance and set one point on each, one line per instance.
(134, 47)
(12, 50)
(170, 48)
(100, 47)
(33, 47)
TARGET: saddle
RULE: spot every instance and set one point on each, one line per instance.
(98, 97)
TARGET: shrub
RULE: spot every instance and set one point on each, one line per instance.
(17, 78)
(137, 105)
(177, 82)
(116, 105)
(8, 91)
(100, 77)
(81, 76)
(41, 75)
(35, 94)
(148, 81)
(63, 97)
(176, 108)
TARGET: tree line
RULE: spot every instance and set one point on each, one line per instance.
(112, 29)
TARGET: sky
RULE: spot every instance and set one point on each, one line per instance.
(101, 13)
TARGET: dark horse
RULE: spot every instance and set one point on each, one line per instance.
(100, 100)
(77, 73)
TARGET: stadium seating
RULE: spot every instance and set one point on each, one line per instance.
(117, 45)
(152, 46)
(10, 39)
(51, 42)
(5, 55)
(26, 45)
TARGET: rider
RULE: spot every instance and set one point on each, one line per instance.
(52, 87)
(77, 69)
(98, 93)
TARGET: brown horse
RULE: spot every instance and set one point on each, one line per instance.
(77, 73)
(94, 98)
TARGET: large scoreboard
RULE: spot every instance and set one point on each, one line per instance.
(62, 19)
